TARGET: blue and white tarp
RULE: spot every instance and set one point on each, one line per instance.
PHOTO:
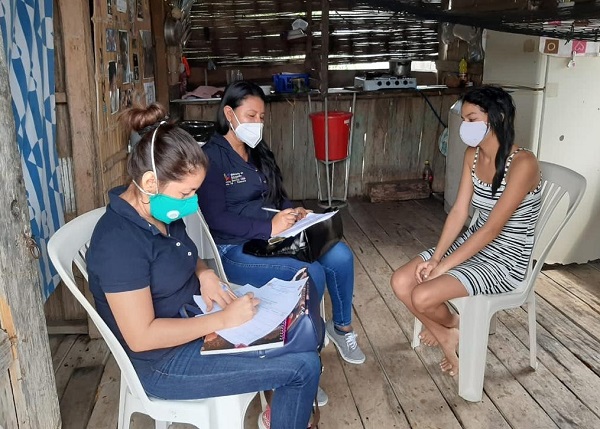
(28, 35)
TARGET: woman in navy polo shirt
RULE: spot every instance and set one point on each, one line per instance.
(144, 270)
(242, 180)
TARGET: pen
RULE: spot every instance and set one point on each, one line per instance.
(269, 209)
(227, 289)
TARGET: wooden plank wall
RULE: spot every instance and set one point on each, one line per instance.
(113, 139)
(105, 156)
(449, 59)
(76, 139)
(393, 136)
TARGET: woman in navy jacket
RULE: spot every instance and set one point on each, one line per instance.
(242, 180)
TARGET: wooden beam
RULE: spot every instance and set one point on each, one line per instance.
(35, 402)
(324, 84)
(308, 49)
(80, 87)
(399, 190)
(69, 327)
(161, 72)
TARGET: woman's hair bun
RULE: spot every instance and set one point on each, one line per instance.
(137, 118)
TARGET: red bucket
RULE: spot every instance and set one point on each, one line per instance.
(339, 134)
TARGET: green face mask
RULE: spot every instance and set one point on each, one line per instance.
(163, 207)
(168, 209)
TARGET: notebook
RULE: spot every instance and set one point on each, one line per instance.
(215, 344)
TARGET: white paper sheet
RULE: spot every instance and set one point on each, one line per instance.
(277, 299)
(310, 220)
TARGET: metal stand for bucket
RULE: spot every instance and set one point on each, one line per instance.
(332, 201)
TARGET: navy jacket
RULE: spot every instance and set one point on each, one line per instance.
(232, 196)
(128, 253)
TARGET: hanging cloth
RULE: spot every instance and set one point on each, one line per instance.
(27, 30)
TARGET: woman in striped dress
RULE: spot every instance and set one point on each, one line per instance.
(503, 182)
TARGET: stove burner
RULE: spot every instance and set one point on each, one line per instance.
(382, 75)
(373, 81)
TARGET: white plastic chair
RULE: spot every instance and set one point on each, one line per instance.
(198, 230)
(68, 246)
(477, 312)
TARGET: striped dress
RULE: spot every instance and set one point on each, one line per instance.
(502, 264)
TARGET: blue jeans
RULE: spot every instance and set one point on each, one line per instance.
(185, 374)
(335, 268)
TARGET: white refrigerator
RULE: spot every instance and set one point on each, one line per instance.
(558, 118)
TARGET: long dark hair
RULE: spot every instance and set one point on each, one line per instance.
(261, 156)
(176, 153)
(500, 108)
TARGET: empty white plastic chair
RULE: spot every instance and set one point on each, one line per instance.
(68, 246)
(478, 311)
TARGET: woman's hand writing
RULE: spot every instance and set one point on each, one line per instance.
(241, 310)
(283, 220)
(213, 290)
(302, 212)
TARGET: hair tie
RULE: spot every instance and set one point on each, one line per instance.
(153, 126)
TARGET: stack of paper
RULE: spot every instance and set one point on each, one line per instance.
(277, 299)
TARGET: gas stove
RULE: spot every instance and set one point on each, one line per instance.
(384, 81)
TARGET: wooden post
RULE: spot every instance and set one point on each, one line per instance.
(309, 55)
(80, 87)
(324, 47)
(161, 72)
(34, 401)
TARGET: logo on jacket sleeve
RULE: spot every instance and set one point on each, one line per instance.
(234, 178)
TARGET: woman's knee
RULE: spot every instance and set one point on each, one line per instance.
(308, 367)
(339, 255)
(314, 364)
(402, 284)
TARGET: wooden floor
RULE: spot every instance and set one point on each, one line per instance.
(398, 387)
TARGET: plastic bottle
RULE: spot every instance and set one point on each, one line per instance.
(462, 71)
(428, 173)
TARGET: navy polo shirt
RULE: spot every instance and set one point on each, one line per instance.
(127, 253)
(233, 194)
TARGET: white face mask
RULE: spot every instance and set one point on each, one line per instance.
(248, 132)
(473, 133)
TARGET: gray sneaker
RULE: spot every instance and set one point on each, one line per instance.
(346, 344)
(322, 397)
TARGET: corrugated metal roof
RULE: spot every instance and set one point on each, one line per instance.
(253, 31)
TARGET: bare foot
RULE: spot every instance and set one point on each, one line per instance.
(449, 343)
(427, 338)
(446, 366)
